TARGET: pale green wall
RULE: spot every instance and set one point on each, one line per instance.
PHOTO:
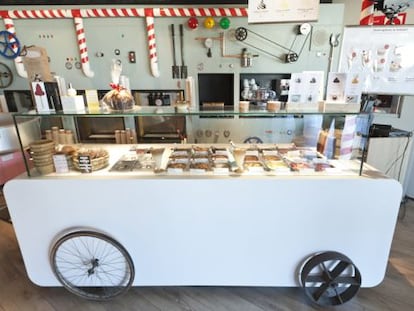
(126, 34)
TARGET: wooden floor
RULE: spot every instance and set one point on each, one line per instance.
(395, 293)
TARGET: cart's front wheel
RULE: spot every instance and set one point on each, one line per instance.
(330, 278)
(92, 265)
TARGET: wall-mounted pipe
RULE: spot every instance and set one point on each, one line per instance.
(77, 15)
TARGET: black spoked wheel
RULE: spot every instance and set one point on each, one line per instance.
(241, 34)
(330, 278)
(92, 265)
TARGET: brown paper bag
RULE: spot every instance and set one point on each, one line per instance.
(36, 63)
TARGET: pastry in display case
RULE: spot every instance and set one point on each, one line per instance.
(265, 159)
(200, 165)
(90, 160)
(251, 162)
(139, 160)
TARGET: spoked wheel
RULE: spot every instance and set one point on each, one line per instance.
(9, 45)
(330, 278)
(92, 265)
(253, 140)
(241, 34)
(6, 76)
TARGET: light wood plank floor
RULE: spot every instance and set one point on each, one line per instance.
(395, 293)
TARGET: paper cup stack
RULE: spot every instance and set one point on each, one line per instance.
(42, 152)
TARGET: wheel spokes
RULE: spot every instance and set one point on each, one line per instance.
(330, 286)
(92, 265)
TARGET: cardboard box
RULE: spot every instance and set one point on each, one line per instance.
(73, 103)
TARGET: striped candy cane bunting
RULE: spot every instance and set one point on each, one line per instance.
(367, 12)
(200, 12)
(131, 12)
(38, 14)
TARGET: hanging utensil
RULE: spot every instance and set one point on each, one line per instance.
(208, 43)
(183, 66)
(175, 68)
(334, 42)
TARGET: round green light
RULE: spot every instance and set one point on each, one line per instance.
(224, 23)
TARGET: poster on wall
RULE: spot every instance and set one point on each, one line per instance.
(382, 55)
(268, 11)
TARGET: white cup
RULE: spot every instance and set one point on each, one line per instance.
(244, 106)
(273, 105)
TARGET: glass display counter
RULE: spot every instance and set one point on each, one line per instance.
(176, 140)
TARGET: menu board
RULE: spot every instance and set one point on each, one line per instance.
(383, 55)
(267, 11)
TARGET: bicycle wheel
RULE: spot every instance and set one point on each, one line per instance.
(92, 265)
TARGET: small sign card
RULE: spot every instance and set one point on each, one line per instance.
(335, 92)
(85, 164)
(61, 164)
(345, 88)
(92, 100)
(354, 87)
(305, 88)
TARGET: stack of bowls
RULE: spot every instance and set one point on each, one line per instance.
(42, 152)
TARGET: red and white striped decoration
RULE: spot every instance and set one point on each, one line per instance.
(148, 13)
(83, 50)
(152, 47)
(367, 12)
(132, 12)
(38, 14)
(347, 138)
(188, 12)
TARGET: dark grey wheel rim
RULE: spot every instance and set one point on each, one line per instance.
(330, 278)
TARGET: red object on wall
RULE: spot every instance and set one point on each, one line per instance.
(400, 19)
(367, 12)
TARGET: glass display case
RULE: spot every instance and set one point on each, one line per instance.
(217, 142)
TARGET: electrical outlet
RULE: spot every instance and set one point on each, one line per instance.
(131, 57)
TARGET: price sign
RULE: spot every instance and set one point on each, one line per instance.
(85, 164)
(61, 164)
